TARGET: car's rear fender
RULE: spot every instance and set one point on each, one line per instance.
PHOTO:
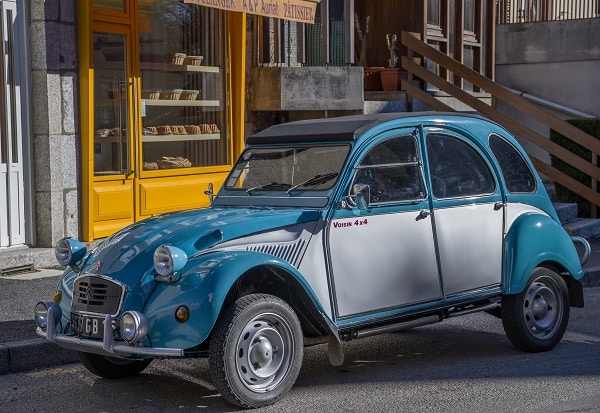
(213, 281)
(533, 240)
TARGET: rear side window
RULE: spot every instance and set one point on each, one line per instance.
(456, 168)
(517, 175)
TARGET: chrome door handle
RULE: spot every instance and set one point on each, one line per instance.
(423, 214)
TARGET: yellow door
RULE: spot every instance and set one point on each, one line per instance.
(112, 153)
(162, 107)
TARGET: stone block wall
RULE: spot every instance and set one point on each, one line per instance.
(55, 125)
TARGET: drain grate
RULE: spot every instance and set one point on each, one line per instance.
(21, 269)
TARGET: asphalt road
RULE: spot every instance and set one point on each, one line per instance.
(463, 364)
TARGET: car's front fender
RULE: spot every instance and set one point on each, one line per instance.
(534, 239)
(203, 288)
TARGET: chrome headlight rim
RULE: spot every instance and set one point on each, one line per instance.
(169, 259)
(133, 326)
(69, 251)
(45, 311)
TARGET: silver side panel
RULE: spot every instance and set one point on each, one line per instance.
(383, 261)
(470, 234)
(513, 211)
(314, 269)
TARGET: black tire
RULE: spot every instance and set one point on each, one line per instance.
(256, 351)
(536, 319)
(112, 368)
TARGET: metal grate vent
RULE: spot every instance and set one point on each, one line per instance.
(97, 295)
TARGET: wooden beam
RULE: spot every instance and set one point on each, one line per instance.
(501, 93)
(508, 122)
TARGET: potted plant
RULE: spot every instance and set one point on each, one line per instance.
(372, 81)
(390, 76)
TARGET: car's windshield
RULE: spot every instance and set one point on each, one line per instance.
(290, 169)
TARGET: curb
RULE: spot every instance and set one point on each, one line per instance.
(591, 277)
(31, 354)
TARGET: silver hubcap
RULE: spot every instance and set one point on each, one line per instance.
(542, 309)
(264, 352)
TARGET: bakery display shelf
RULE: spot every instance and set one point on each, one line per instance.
(166, 67)
(171, 138)
(108, 139)
(180, 102)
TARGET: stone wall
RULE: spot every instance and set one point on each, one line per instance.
(56, 145)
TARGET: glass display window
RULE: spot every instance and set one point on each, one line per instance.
(183, 88)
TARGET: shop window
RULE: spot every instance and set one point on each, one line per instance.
(183, 112)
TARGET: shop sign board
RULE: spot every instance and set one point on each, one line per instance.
(302, 11)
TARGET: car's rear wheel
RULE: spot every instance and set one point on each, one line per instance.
(110, 367)
(256, 351)
(536, 319)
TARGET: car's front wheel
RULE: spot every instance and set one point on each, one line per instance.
(111, 367)
(256, 351)
(536, 319)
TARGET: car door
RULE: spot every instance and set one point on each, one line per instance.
(468, 213)
(384, 257)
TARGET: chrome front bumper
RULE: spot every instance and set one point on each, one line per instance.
(107, 347)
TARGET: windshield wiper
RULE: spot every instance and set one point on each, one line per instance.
(315, 180)
(271, 185)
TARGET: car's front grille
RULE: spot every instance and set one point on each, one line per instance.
(97, 295)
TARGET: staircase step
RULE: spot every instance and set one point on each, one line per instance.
(584, 227)
(566, 211)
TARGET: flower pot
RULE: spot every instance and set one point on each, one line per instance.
(390, 78)
(372, 80)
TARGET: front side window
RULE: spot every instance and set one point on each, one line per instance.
(392, 171)
(456, 168)
(291, 169)
(517, 175)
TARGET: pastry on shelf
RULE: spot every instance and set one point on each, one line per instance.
(170, 94)
(152, 130)
(193, 129)
(150, 166)
(205, 128)
(214, 128)
(169, 162)
(194, 60)
(151, 94)
(189, 94)
(178, 58)
(103, 132)
(178, 130)
(164, 130)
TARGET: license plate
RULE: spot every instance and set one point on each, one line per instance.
(87, 326)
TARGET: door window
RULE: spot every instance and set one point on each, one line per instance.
(392, 171)
(456, 168)
(517, 175)
(111, 114)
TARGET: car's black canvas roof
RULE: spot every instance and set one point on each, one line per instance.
(345, 128)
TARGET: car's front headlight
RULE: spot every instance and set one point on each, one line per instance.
(45, 312)
(134, 326)
(169, 259)
(69, 251)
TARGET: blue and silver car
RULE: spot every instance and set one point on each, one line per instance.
(325, 231)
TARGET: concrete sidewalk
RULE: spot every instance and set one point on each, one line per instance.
(21, 349)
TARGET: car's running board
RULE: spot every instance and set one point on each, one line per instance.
(391, 328)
